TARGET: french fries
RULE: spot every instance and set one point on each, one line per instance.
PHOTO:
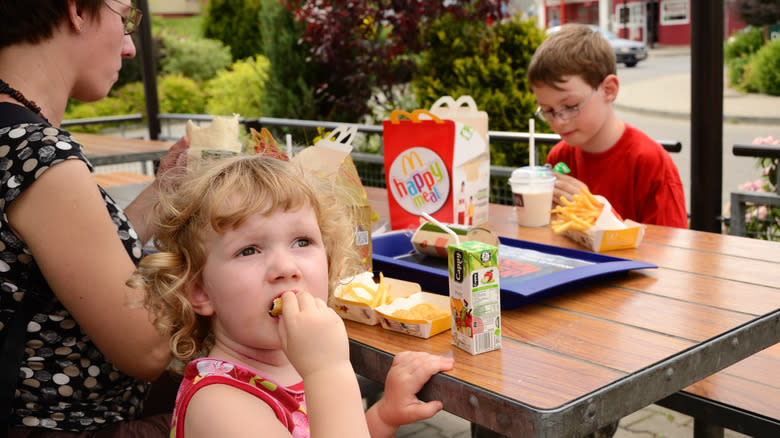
(578, 215)
(378, 292)
(422, 311)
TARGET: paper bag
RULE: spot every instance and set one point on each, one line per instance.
(425, 170)
(329, 158)
(475, 166)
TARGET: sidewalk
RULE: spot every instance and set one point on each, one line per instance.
(670, 96)
(650, 422)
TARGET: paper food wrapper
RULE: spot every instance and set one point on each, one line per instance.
(609, 232)
(329, 158)
(218, 139)
(361, 311)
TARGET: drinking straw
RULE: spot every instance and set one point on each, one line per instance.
(288, 141)
(442, 226)
(531, 145)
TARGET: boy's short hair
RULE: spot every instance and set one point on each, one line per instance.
(575, 50)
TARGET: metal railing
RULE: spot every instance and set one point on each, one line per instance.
(371, 166)
(121, 120)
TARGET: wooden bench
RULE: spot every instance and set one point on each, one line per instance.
(120, 178)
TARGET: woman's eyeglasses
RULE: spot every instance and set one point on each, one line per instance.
(131, 20)
(566, 113)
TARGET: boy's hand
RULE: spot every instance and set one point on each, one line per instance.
(399, 404)
(566, 186)
(313, 336)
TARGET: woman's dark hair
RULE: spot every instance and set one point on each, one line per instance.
(33, 21)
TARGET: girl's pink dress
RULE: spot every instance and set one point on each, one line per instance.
(287, 402)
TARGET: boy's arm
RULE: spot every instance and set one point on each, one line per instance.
(399, 404)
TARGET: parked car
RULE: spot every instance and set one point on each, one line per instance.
(628, 52)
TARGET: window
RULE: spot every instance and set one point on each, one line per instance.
(674, 12)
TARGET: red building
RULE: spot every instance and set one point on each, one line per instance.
(665, 22)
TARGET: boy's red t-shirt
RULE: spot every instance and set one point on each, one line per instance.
(636, 175)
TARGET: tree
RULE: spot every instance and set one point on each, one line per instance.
(367, 47)
(489, 63)
(761, 13)
(237, 24)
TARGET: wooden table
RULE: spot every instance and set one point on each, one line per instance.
(104, 149)
(580, 360)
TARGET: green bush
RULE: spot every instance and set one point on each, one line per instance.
(740, 72)
(290, 92)
(181, 95)
(240, 90)
(237, 24)
(109, 106)
(133, 95)
(196, 58)
(743, 43)
(765, 75)
(489, 63)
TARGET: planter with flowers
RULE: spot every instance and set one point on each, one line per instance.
(755, 207)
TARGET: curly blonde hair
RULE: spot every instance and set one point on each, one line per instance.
(221, 196)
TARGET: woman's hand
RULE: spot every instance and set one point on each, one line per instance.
(399, 404)
(566, 186)
(174, 163)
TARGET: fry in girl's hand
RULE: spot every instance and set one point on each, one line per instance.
(578, 215)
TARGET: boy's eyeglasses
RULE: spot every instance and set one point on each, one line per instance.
(131, 20)
(567, 113)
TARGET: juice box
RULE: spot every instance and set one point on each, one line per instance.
(475, 296)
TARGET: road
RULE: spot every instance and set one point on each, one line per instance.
(736, 170)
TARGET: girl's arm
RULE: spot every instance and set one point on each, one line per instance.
(399, 405)
(315, 341)
(64, 221)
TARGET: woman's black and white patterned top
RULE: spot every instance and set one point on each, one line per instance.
(64, 380)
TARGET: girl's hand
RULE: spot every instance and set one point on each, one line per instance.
(399, 404)
(566, 186)
(313, 335)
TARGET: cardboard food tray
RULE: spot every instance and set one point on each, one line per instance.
(529, 271)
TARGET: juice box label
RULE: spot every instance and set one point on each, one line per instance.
(475, 296)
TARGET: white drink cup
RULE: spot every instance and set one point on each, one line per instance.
(532, 190)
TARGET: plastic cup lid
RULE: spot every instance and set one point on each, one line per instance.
(535, 175)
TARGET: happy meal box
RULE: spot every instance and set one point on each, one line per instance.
(437, 166)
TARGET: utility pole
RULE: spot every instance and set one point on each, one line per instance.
(149, 71)
(706, 113)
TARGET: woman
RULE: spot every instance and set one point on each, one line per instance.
(66, 249)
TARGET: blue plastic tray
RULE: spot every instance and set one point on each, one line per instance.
(529, 271)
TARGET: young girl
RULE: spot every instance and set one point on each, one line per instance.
(233, 238)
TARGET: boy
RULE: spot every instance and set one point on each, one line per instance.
(573, 76)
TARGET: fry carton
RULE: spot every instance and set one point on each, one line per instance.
(357, 297)
(422, 314)
(329, 158)
(609, 232)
